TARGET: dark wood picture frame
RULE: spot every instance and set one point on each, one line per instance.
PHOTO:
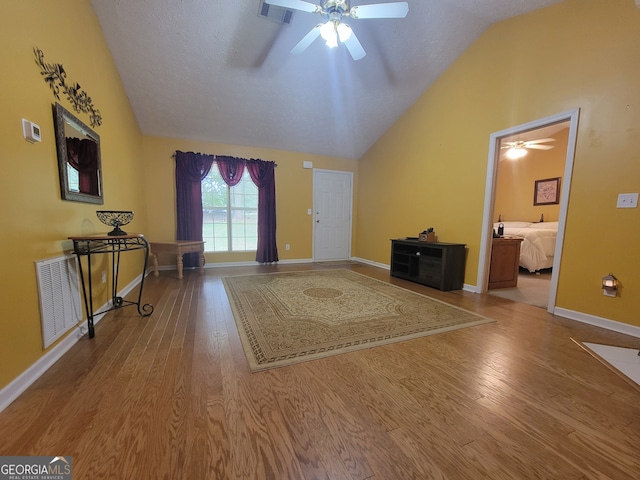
(547, 191)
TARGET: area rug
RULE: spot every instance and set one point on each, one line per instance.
(291, 317)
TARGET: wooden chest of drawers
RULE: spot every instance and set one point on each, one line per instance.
(505, 262)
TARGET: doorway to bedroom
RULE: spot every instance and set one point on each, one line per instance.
(526, 198)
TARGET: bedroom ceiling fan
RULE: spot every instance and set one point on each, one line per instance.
(333, 29)
(518, 149)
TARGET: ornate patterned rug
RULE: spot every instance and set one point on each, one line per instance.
(292, 317)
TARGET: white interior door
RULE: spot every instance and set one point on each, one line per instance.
(332, 204)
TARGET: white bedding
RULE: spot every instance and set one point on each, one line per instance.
(538, 246)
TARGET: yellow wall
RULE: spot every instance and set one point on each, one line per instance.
(430, 168)
(138, 171)
(294, 193)
(36, 221)
(515, 183)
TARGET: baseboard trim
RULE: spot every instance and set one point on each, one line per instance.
(14, 389)
(252, 263)
(605, 323)
(470, 288)
(372, 263)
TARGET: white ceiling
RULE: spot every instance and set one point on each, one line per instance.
(213, 70)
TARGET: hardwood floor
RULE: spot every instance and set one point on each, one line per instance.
(171, 397)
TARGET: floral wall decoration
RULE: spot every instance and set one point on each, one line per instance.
(55, 75)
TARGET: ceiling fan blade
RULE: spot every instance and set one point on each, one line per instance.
(540, 147)
(380, 10)
(296, 5)
(540, 140)
(307, 40)
(355, 47)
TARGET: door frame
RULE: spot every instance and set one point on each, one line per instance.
(490, 191)
(350, 229)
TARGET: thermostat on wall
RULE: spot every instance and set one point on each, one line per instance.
(31, 131)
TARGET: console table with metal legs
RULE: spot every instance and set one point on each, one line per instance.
(98, 244)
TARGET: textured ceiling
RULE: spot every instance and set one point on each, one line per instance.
(213, 70)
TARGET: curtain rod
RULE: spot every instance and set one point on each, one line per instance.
(215, 157)
(173, 155)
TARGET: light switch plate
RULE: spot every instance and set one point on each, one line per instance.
(627, 200)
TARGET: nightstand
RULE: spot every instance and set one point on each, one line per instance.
(505, 262)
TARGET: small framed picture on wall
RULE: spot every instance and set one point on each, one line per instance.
(546, 191)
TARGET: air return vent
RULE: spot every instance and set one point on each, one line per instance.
(58, 288)
(275, 14)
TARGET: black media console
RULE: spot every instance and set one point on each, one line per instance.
(438, 265)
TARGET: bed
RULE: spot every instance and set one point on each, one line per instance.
(538, 246)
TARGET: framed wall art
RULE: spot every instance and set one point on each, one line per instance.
(547, 191)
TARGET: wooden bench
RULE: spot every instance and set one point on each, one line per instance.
(178, 248)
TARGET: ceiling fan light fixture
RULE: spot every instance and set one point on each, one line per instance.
(515, 153)
(344, 32)
(333, 30)
(329, 34)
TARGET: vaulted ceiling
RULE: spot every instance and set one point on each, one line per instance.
(214, 70)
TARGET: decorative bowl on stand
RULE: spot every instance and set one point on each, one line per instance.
(115, 218)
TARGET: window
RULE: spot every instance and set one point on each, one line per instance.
(73, 178)
(229, 214)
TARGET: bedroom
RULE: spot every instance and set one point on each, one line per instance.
(520, 214)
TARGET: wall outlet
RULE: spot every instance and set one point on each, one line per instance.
(104, 277)
(627, 200)
(287, 246)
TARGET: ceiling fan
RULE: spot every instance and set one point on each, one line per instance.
(334, 29)
(518, 149)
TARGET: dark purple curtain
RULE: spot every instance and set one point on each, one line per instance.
(263, 175)
(191, 168)
(230, 169)
(83, 156)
